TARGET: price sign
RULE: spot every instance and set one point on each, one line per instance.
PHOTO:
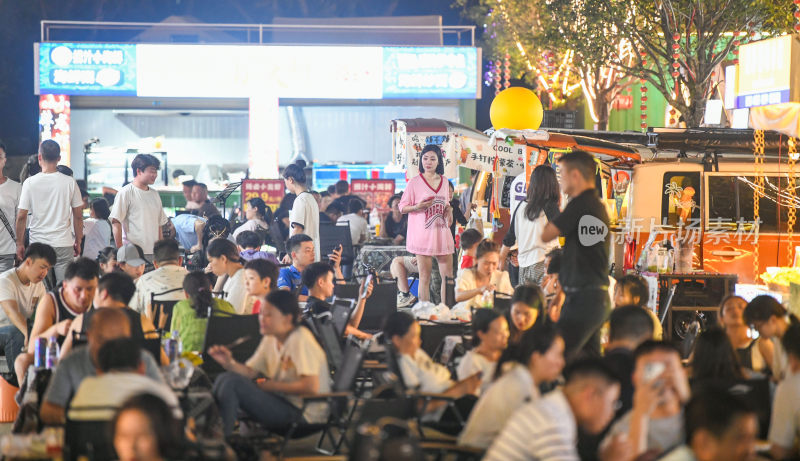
(376, 192)
(271, 191)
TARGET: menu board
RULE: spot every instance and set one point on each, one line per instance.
(376, 192)
(271, 191)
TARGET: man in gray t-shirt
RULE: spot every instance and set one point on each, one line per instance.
(106, 324)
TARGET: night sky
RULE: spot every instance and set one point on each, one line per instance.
(20, 28)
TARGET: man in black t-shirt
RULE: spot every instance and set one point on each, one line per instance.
(318, 277)
(584, 267)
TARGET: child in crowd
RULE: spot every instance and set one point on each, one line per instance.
(260, 277)
(470, 239)
(250, 247)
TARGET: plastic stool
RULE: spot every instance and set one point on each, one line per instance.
(8, 406)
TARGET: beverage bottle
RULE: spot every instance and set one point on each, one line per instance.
(52, 353)
(487, 299)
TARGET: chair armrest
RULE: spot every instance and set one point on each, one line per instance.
(451, 448)
(432, 396)
(326, 396)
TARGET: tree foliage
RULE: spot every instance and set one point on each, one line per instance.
(618, 42)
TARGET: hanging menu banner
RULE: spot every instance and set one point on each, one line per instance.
(271, 191)
(376, 192)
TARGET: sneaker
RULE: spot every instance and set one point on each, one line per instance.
(405, 300)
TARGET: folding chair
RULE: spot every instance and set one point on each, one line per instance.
(424, 399)
(338, 401)
(240, 333)
(88, 440)
(341, 311)
(162, 309)
(379, 306)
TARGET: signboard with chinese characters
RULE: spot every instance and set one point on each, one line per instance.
(271, 191)
(239, 71)
(86, 68)
(54, 114)
(376, 192)
(767, 72)
(435, 72)
(415, 142)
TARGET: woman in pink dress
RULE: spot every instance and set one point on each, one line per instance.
(426, 200)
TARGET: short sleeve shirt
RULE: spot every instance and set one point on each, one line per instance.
(291, 278)
(76, 366)
(784, 427)
(305, 212)
(428, 233)
(584, 220)
(472, 363)
(26, 296)
(466, 282)
(141, 214)
(299, 356)
(9, 200)
(49, 199)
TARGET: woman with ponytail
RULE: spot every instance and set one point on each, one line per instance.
(226, 263)
(258, 216)
(190, 316)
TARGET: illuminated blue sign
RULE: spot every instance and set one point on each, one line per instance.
(87, 69)
(239, 71)
(430, 72)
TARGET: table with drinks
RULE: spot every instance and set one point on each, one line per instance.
(378, 257)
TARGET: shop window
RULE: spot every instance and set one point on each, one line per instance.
(723, 213)
(767, 205)
(680, 199)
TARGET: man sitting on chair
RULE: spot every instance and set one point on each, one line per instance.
(120, 375)
(318, 277)
(169, 275)
(107, 324)
(114, 291)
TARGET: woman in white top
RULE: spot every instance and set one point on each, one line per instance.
(418, 371)
(527, 222)
(538, 359)
(288, 364)
(483, 277)
(257, 214)
(225, 262)
(490, 338)
(97, 229)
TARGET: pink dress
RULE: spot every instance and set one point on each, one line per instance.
(428, 232)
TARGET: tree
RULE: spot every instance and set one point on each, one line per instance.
(675, 45)
(680, 43)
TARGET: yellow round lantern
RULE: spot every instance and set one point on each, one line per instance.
(516, 108)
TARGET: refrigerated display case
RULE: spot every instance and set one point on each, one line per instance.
(112, 167)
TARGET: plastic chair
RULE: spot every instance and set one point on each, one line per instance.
(8, 406)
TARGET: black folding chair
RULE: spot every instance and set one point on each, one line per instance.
(162, 309)
(379, 306)
(502, 302)
(331, 235)
(240, 333)
(329, 338)
(88, 440)
(424, 400)
(338, 402)
(341, 312)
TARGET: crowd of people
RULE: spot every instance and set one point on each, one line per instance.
(575, 367)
